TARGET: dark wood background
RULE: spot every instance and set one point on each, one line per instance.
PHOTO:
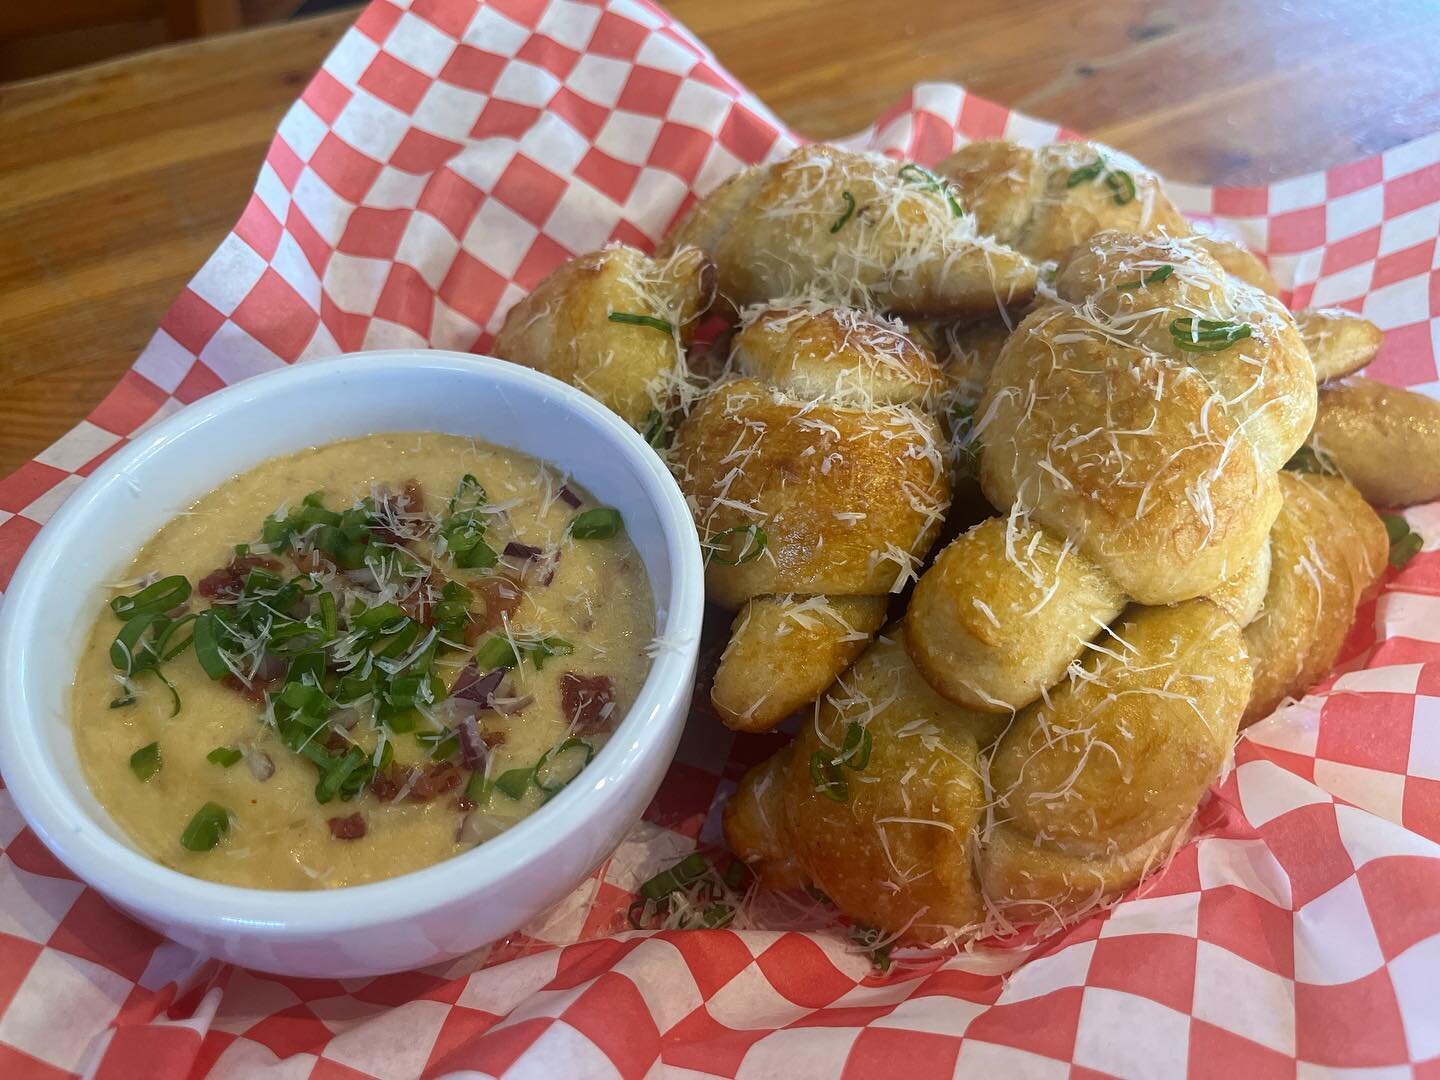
(118, 179)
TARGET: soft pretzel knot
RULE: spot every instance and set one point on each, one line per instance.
(818, 480)
(1035, 738)
(1145, 417)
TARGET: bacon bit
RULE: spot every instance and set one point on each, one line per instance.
(493, 739)
(336, 743)
(348, 828)
(568, 497)
(384, 786)
(435, 779)
(517, 550)
(409, 504)
(501, 596)
(311, 561)
(227, 582)
(585, 698)
(464, 805)
(426, 781)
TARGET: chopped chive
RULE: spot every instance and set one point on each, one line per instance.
(849, 212)
(932, 182)
(828, 779)
(210, 823)
(334, 777)
(546, 647)
(1159, 274)
(207, 646)
(653, 429)
(1085, 172)
(329, 618)
(1207, 335)
(549, 777)
(1405, 543)
(513, 783)
(869, 938)
(737, 545)
(1121, 185)
(1310, 460)
(855, 750)
(477, 788)
(224, 756)
(677, 878)
(160, 597)
(601, 523)
(632, 319)
(496, 653)
(146, 762)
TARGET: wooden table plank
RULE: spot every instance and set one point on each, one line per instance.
(119, 179)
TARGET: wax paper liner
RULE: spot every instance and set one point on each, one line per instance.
(445, 158)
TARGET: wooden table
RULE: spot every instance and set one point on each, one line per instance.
(116, 181)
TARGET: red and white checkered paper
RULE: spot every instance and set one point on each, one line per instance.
(446, 157)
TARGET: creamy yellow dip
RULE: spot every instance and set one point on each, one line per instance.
(594, 597)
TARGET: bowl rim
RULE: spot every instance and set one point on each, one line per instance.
(135, 881)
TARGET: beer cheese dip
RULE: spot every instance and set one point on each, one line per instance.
(358, 660)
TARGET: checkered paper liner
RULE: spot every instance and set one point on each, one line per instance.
(445, 158)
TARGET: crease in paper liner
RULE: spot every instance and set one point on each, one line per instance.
(1300, 931)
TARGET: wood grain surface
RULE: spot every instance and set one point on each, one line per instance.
(117, 180)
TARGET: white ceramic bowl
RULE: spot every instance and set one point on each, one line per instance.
(418, 918)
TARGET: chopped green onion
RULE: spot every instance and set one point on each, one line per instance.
(677, 878)
(127, 655)
(601, 523)
(653, 429)
(642, 320)
(547, 647)
(828, 779)
(1121, 185)
(855, 751)
(751, 540)
(477, 788)
(207, 646)
(146, 762)
(335, 776)
(932, 183)
(167, 593)
(514, 783)
(329, 618)
(1308, 459)
(849, 212)
(868, 938)
(224, 756)
(1405, 543)
(496, 653)
(550, 777)
(1159, 274)
(210, 823)
(1207, 335)
(1085, 172)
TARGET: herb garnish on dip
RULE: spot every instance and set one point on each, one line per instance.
(425, 642)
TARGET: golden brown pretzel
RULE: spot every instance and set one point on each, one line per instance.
(1157, 460)
(1384, 440)
(928, 837)
(853, 230)
(566, 328)
(819, 481)
(1328, 548)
